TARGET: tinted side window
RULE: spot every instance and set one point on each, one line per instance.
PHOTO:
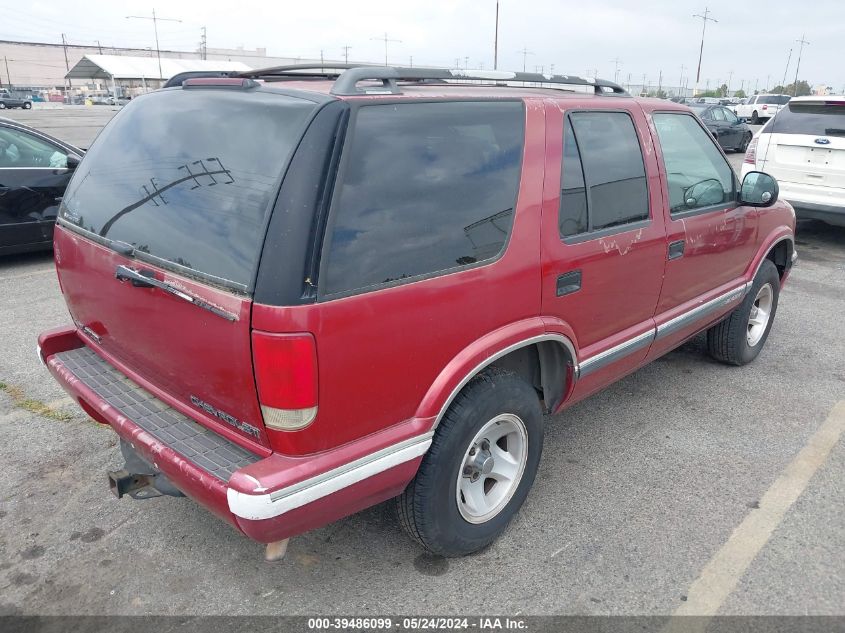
(19, 149)
(697, 174)
(572, 218)
(613, 168)
(428, 187)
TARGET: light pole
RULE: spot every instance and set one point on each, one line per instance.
(155, 20)
(496, 40)
(704, 20)
(616, 61)
(345, 54)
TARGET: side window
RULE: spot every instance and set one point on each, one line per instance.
(698, 175)
(427, 187)
(718, 114)
(19, 149)
(572, 219)
(602, 157)
(730, 117)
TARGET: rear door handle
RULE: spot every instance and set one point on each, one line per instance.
(568, 283)
(676, 249)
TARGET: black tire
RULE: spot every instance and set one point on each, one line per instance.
(743, 146)
(755, 118)
(428, 508)
(2, 106)
(27, 105)
(727, 341)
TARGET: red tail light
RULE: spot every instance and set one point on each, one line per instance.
(765, 107)
(286, 376)
(751, 152)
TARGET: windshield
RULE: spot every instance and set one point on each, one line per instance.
(187, 176)
(809, 117)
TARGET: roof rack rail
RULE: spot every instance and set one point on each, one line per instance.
(178, 79)
(348, 76)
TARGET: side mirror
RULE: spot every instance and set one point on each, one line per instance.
(73, 161)
(758, 190)
(703, 194)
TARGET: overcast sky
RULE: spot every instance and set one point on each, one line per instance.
(752, 39)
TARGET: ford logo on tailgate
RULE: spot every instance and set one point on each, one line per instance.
(822, 141)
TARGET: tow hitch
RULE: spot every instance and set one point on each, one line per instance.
(138, 478)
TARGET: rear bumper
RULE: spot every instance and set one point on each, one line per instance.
(269, 498)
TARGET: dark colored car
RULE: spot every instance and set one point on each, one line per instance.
(730, 131)
(34, 171)
(294, 297)
(8, 101)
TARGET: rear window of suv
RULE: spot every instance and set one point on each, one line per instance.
(426, 188)
(187, 177)
(809, 117)
(774, 99)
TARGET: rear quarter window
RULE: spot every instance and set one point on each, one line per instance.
(426, 188)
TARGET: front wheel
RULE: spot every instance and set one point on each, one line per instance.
(743, 146)
(738, 339)
(27, 105)
(2, 106)
(480, 466)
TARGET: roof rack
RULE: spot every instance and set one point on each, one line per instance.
(348, 76)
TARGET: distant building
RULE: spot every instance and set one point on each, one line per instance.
(822, 90)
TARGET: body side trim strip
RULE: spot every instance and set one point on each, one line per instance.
(270, 505)
(701, 311)
(613, 354)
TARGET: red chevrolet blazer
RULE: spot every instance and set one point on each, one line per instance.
(300, 292)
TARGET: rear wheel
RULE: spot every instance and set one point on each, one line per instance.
(480, 466)
(2, 105)
(746, 139)
(755, 118)
(27, 105)
(738, 339)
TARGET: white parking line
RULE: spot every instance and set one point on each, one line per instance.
(721, 575)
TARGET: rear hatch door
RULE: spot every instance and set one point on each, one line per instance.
(159, 236)
(806, 144)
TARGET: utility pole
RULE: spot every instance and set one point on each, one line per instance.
(458, 63)
(616, 61)
(768, 79)
(8, 77)
(67, 64)
(155, 20)
(802, 42)
(525, 53)
(411, 60)
(386, 41)
(496, 40)
(346, 54)
(730, 76)
(321, 58)
(466, 63)
(756, 81)
(704, 20)
(203, 44)
(100, 48)
(785, 70)
(660, 83)
(643, 88)
(681, 80)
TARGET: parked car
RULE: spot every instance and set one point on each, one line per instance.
(313, 295)
(804, 148)
(706, 100)
(730, 132)
(8, 101)
(760, 107)
(34, 170)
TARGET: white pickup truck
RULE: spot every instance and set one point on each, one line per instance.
(759, 108)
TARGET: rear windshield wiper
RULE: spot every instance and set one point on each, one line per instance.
(145, 279)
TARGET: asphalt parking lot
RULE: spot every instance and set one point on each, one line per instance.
(685, 484)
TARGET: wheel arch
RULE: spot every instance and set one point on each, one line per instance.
(546, 360)
(779, 249)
